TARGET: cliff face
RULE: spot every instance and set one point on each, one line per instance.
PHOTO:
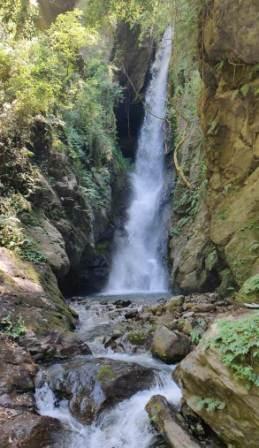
(218, 247)
(230, 117)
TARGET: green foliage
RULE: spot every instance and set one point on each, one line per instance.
(18, 17)
(12, 328)
(153, 16)
(210, 404)
(251, 285)
(198, 330)
(238, 344)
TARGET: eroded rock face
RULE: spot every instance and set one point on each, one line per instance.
(133, 58)
(170, 346)
(230, 112)
(231, 31)
(91, 385)
(229, 407)
(217, 247)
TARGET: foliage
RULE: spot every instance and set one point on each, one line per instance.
(152, 16)
(210, 404)
(238, 344)
(251, 285)
(198, 331)
(18, 17)
(12, 328)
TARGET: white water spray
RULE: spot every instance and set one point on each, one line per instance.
(138, 262)
(126, 425)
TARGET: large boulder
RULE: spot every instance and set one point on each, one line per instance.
(92, 384)
(162, 416)
(52, 246)
(27, 430)
(170, 346)
(227, 402)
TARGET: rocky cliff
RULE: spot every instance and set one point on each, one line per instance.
(216, 246)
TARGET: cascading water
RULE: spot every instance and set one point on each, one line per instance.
(125, 425)
(138, 262)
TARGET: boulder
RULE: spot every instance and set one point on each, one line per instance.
(52, 246)
(54, 346)
(90, 385)
(163, 418)
(27, 430)
(17, 372)
(170, 346)
(230, 406)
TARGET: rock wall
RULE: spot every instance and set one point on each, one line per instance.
(218, 246)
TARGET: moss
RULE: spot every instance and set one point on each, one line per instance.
(137, 337)
(105, 373)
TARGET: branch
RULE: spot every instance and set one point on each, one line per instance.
(177, 165)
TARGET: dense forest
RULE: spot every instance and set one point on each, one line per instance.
(129, 223)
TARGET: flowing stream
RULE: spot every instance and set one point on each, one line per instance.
(139, 257)
(126, 425)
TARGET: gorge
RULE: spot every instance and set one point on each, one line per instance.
(129, 283)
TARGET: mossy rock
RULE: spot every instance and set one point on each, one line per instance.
(249, 292)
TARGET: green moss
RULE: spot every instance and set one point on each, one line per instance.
(137, 337)
(238, 344)
(105, 373)
(12, 327)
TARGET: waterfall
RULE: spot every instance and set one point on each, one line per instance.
(139, 258)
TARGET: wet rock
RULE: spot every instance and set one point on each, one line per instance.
(26, 430)
(91, 385)
(54, 346)
(163, 418)
(132, 314)
(213, 392)
(170, 346)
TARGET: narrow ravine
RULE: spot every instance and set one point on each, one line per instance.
(125, 425)
(140, 249)
(138, 266)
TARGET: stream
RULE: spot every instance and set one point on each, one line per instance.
(126, 424)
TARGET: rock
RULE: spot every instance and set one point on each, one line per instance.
(54, 346)
(162, 416)
(234, 39)
(27, 430)
(203, 308)
(212, 391)
(174, 303)
(170, 346)
(52, 246)
(91, 385)
(30, 292)
(17, 372)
